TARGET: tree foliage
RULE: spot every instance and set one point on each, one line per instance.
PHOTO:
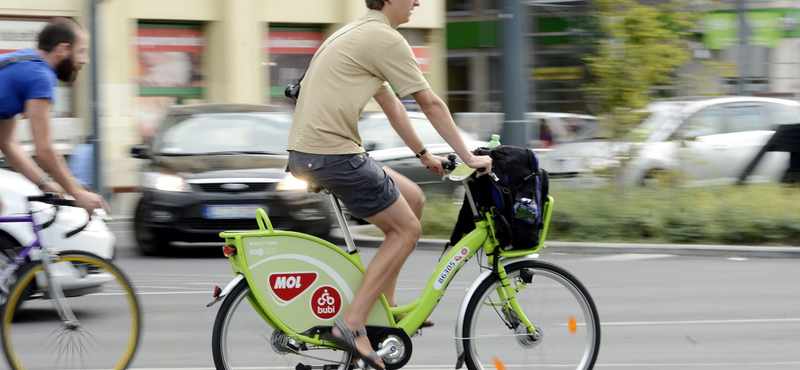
(639, 51)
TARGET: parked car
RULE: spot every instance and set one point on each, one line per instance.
(385, 145)
(210, 167)
(96, 238)
(705, 140)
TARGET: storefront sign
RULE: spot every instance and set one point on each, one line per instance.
(16, 35)
(170, 40)
(722, 29)
(292, 42)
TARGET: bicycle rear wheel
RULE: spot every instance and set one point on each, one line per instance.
(242, 339)
(556, 303)
(102, 300)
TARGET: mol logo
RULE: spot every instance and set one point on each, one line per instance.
(289, 285)
(326, 302)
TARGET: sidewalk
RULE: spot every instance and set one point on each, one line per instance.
(124, 204)
(363, 240)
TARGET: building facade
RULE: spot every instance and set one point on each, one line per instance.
(560, 33)
(157, 53)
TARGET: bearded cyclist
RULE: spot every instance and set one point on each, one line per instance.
(27, 83)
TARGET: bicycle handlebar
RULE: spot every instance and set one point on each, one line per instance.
(56, 200)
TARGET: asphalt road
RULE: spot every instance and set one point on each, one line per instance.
(658, 311)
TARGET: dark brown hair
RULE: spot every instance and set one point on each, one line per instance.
(375, 4)
(59, 30)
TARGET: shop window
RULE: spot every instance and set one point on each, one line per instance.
(169, 70)
(458, 5)
(287, 51)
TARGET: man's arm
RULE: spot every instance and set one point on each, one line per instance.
(38, 111)
(439, 115)
(398, 117)
(14, 154)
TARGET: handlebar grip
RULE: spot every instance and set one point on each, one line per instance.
(50, 198)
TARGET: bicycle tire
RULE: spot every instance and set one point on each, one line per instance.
(556, 303)
(242, 339)
(103, 301)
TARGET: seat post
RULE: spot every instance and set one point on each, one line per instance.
(337, 209)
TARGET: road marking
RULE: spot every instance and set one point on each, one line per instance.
(630, 257)
(700, 322)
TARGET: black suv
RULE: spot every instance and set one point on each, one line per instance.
(210, 166)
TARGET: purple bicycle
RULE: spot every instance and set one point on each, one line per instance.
(65, 309)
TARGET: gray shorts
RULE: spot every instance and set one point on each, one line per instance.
(356, 179)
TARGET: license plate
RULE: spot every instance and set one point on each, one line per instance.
(245, 211)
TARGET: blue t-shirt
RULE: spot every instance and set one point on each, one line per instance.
(24, 80)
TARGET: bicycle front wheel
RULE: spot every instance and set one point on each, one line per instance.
(102, 300)
(557, 304)
(242, 339)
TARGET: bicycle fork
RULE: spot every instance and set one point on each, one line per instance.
(509, 303)
(57, 295)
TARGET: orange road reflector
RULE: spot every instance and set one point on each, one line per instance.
(498, 364)
(573, 325)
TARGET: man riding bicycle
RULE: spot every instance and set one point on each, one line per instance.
(27, 86)
(356, 63)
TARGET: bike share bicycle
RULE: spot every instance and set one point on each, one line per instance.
(520, 311)
(49, 320)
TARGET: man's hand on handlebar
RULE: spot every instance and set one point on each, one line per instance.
(434, 164)
(90, 201)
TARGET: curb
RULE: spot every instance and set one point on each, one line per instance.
(363, 240)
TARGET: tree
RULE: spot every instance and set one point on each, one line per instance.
(639, 52)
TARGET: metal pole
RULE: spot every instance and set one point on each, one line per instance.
(94, 140)
(515, 77)
(742, 45)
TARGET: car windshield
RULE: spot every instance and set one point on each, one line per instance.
(377, 133)
(224, 133)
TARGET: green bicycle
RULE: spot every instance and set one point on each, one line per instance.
(520, 311)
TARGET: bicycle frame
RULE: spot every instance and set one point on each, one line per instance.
(55, 289)
(17, 262)
(418, 310)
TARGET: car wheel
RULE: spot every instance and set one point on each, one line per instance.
(150, 243)
(8, 251)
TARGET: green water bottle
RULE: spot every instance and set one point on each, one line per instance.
(494, 142)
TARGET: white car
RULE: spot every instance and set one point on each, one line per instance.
(706, 140)
(96, 238)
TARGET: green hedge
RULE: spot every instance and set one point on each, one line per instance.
(767, 214)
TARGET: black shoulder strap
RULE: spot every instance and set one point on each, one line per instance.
(14, 59)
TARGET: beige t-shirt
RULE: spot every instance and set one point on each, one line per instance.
(353, 65)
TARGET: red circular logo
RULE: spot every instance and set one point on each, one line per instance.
(326, 302)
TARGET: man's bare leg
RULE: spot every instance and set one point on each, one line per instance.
(416, 200)
(402, 230)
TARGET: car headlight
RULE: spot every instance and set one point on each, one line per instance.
(165, 182)
(292, 183)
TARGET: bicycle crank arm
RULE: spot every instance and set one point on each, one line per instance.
(220, 294)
